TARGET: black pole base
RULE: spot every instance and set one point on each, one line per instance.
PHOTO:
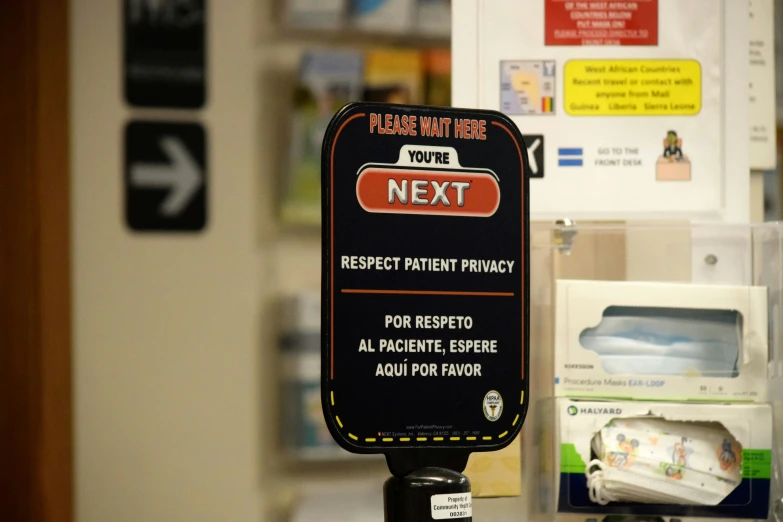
(426, 495)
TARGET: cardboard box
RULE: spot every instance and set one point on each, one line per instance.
(496, 473)
(661, 341)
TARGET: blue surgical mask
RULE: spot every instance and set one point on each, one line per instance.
(661, 341)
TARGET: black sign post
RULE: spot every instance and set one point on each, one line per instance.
(425, 294)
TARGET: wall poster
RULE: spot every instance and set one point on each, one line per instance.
(640, 107)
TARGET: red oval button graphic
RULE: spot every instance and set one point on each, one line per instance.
(442, 192)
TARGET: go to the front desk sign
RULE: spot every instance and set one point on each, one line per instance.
(427, 280)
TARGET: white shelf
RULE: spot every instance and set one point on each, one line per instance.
(355, 38)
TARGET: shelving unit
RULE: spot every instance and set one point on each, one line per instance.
(292, 252)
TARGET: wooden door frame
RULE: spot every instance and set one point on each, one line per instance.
(36, 440)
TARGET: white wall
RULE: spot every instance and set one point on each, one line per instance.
(169, 371)
(175, 365)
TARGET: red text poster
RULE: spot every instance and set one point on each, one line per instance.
(601, 23)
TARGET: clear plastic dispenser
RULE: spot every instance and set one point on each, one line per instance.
(658, 374)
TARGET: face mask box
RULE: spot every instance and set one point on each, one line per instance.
(700, 456)
(661, 341)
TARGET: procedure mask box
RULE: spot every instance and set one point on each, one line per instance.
(661, 341)
(666, 456)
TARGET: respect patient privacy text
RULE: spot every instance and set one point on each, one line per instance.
(427, 264)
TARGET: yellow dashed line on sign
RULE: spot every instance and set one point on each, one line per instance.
(424, 439)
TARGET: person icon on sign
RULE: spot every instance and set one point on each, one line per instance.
(672, 165)
(672, 150)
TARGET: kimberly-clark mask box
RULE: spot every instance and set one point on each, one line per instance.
(662, 341)
(694, 460)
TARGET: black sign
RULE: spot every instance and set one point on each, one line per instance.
(164, 53)
(535, 154)
(165, 176)
(425, 283)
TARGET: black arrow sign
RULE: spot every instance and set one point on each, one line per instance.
(165, 176)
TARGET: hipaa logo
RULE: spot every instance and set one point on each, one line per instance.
(570, 157)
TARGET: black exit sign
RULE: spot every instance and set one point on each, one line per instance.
(165, 44)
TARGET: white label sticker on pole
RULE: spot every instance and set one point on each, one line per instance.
(451, 505)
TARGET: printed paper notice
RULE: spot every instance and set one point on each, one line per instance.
(601, 23)
(644, 125)
(632, 87)
(451, 505)
(762, 85)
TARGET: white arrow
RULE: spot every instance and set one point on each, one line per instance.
(532, 157)
(182, 175)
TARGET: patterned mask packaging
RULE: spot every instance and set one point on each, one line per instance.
(654, 460)
(663, 458)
